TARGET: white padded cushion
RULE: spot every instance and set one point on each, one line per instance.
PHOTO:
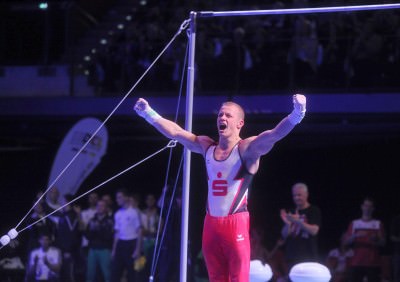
(259, 272)
(309, 272)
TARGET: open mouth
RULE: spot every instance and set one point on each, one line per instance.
(222, 126)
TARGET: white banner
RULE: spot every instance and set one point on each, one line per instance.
(87, 160)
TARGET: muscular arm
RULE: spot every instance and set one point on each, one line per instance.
(263, 143)
(172, 130)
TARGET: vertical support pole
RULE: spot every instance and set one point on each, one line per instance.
(187, 154)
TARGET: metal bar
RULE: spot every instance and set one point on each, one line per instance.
(207, 14)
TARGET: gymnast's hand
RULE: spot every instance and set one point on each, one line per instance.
(299, 103)
(299, 109)
(144, 110)
(141, 106)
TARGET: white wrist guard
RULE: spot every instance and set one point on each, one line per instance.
(148, 114)
(296, 116)
(151, 115)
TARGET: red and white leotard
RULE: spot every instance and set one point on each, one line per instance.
(228, 183)
(226, 242)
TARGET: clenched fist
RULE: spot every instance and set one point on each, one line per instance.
(299, 109)
(144, 110)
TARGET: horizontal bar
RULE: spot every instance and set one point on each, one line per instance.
(207, 14)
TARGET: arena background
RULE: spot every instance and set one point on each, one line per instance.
(342, 154)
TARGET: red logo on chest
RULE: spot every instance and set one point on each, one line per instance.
(219, 186)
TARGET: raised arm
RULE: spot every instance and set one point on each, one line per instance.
(263, 143)
(170, 129)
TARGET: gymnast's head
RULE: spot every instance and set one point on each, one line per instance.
(230, 119)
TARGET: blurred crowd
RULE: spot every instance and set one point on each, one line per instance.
(352, 51)
(103, 238)
(112, 237)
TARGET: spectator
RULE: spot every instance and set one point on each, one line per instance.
(237, 60)
(366, 236)
(305, 55)
(68, 239)
(301, 228)
(46, 225)
(332, 50)
(338, 261)
(53, 199)
(53, 202)
(109, 203)
(134, 201)
(44, 262)
(99, 232)
(127, 239)
(88, 214)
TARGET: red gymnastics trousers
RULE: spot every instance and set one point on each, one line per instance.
(226, 247)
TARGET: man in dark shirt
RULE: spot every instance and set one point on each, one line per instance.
(68, 239)
(301, 228)
(100, 234)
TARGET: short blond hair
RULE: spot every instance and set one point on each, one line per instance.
(240, 109)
